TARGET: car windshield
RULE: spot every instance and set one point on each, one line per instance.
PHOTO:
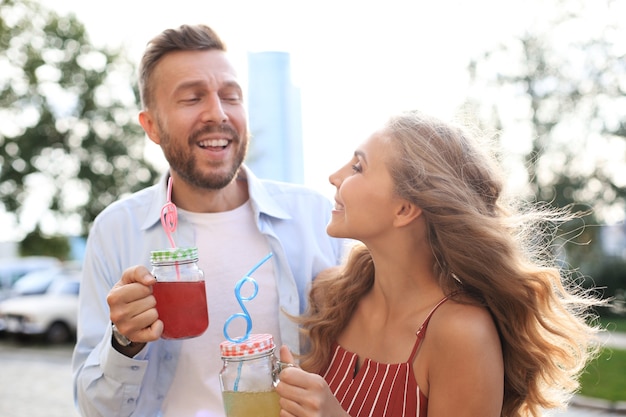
(64, 286)
(35, 282)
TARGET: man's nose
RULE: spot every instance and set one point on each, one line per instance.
(213, 111)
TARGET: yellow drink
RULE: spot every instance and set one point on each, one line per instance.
(251, 404)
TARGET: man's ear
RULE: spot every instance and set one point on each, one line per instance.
(146, 120)
(406, 213)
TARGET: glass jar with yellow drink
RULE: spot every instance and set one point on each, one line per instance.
(248, 377)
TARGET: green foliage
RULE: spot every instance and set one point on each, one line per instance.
(556, 94)
(614, 324)
(69, 136)
(609, 277)
(604, 376)
(35, 244)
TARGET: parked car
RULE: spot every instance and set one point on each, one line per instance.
(52, 313)
(37, 282)
(12, 269)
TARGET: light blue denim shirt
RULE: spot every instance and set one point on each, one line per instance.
(293, 219)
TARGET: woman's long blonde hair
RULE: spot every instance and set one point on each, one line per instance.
(499, 255)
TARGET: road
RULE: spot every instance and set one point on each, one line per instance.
(36, 381)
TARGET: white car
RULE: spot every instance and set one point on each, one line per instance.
(12, 269)
(52, 314)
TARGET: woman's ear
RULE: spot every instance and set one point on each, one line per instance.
(149, 126)
(406, 213)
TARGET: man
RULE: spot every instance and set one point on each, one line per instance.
(193, 108)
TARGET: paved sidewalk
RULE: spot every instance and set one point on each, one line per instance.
(36, 381)
(615, 340)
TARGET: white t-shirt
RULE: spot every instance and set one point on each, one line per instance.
(229, 245)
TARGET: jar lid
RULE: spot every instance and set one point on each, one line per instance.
(255, 344)
(174, 255)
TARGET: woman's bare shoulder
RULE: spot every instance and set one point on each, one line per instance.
(456, 322)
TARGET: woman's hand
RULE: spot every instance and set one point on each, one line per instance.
(304, 394)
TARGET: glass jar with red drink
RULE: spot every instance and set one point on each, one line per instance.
(180, 292)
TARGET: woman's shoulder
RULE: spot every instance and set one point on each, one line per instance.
(458, 322)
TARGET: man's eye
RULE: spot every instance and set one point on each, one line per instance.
(231, 98)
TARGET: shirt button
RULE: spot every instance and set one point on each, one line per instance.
(130, 401)
(134, 368)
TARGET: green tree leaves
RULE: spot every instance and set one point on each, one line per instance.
(69, 138)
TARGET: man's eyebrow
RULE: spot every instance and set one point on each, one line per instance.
(231, 84)
(186, 85)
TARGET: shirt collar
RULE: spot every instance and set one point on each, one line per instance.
(262, 202)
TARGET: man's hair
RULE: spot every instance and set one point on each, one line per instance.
(185, 38)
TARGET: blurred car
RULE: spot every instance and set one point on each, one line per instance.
(38, 282)
(12, 269)
(47, 305)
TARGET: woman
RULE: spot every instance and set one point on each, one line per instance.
(448, 305)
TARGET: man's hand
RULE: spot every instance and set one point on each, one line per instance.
(133, 309)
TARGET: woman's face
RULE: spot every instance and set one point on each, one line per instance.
(365, 199)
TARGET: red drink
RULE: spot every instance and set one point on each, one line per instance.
(182, 308)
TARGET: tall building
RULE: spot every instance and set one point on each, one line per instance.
(274, 109)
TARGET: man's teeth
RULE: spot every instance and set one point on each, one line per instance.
(213, 143)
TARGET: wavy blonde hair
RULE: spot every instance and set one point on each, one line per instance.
(499, 255)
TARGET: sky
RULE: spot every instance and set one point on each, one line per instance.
(355, 62)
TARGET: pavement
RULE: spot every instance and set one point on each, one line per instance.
(36, 381)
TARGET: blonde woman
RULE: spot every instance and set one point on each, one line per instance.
(449, 305)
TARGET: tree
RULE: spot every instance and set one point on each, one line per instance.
(35, 244)
(558, 93)
(69, 139)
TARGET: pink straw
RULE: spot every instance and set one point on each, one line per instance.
(169, 219)
(169, 215)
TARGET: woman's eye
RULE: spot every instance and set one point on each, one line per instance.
(356, 167)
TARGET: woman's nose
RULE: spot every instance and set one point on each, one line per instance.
(334, 179)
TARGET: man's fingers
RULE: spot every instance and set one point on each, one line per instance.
(147, 334)
(138, 274)
(128, 301)
(122, 294)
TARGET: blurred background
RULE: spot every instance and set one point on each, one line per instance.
(545, 79)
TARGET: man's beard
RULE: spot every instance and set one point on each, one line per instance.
(184, 162)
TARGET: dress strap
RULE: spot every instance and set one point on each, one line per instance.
(421, 332)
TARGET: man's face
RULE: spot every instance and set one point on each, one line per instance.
(198, 117)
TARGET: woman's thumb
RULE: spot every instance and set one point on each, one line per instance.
(285, 354)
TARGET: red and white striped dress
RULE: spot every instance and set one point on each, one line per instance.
(378, 389)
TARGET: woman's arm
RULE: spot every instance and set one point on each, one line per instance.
(465, 368)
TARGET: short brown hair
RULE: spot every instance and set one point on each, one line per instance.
(185, 38)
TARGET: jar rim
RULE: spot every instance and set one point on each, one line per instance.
(254, 345)
(173, 255)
